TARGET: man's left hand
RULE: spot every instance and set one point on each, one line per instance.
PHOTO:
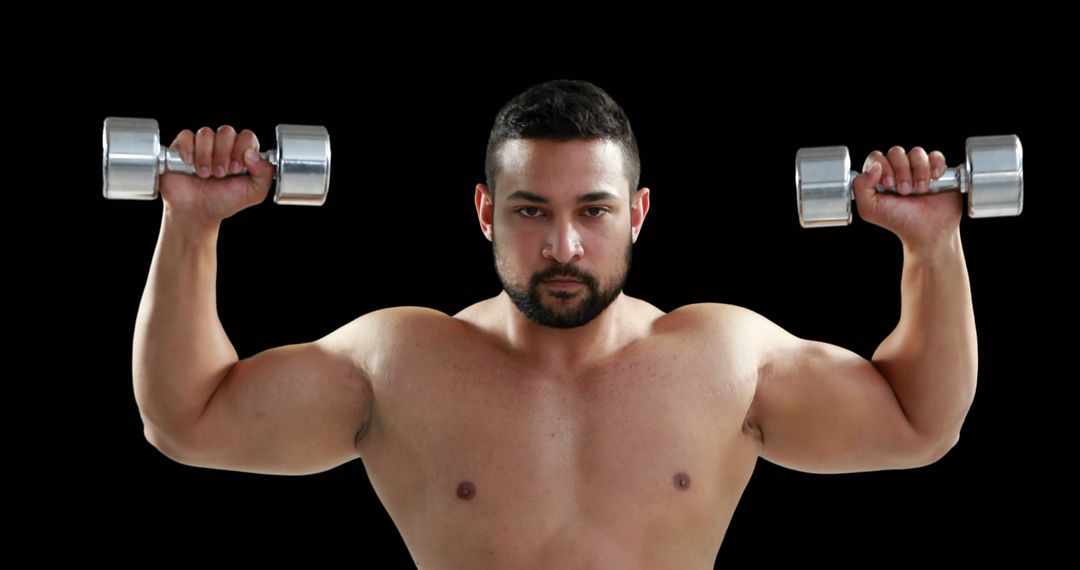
(917, 217)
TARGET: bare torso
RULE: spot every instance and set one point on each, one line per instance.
(639, 462)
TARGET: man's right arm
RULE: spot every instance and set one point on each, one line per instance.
(181, 353)
(289, 410)
(295, 409)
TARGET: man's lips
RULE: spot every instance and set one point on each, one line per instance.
(563, 284)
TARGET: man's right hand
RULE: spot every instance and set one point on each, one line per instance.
(212, 194)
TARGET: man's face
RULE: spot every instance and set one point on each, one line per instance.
(554, 221)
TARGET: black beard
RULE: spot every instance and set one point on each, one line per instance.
(593, 301)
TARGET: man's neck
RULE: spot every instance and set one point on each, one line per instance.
(564, 350)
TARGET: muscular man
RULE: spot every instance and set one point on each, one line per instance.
(561, 423)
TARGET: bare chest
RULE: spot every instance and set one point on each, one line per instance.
(473, 452)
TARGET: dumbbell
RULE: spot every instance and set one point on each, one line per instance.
(132, 160)
(992, 177)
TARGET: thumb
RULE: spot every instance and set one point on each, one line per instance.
(863, 185)
(260, 171)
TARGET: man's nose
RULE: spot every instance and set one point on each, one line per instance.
(563, 244)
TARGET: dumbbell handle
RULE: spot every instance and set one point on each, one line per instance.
(169, 161)
(954, 179)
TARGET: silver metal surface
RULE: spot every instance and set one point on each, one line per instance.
(996, 164)
(170, 161)
(304, 160)
(132, 161)
(823, 186)
(129, 155)
(992, 177)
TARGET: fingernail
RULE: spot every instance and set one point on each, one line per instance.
(905, 187)
(250, 156)
(236, 167)
(922, 186)
(204, 171)
(219, 171)
(936, 173)
(890, 182)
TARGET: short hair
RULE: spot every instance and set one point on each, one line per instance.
(563, 110)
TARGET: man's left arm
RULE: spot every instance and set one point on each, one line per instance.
(931, 358)
(821, 408)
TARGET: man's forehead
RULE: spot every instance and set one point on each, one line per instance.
(521, 153)
(574, 167)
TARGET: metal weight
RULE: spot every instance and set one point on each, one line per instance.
(992, 177)
(132, 160)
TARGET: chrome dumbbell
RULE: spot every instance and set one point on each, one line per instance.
(992, 177)
(132, 159)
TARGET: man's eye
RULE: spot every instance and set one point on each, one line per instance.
(594, 212)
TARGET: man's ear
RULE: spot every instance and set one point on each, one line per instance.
(639, 208)
(484, 209)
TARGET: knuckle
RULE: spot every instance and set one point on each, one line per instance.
(918, 150)
(227, 129)
(897, 149)
(206, 131)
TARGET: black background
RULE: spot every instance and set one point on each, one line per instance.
(717, 135)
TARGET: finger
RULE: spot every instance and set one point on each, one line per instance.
(185, 143)
(920, 170)
(204, 150)
(887, 178)
(245, 140)
(864, 184)
(901, 169)
(937, 164)
(223, 146)
(260, 169)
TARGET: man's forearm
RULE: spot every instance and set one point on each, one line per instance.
(931, 358)
(181, 353)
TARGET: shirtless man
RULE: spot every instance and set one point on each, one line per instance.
(562, 423)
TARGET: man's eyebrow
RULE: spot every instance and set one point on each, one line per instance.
(590, 197)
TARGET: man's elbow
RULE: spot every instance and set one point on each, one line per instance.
(168, 446)
(937, 450)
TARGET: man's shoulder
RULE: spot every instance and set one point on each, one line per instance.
(404, 315)
(391, 325)
(719, 325)
(395, 335)
(703, 317)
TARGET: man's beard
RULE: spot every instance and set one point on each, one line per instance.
(586, 301)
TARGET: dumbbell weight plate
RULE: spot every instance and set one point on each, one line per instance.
(303, 161)
(822, 186)
(996, 164)
(129, 158)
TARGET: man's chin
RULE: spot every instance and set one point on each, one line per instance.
(562, 298)
(561, 306)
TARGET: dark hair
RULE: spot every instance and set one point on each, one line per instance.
(563, 109)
